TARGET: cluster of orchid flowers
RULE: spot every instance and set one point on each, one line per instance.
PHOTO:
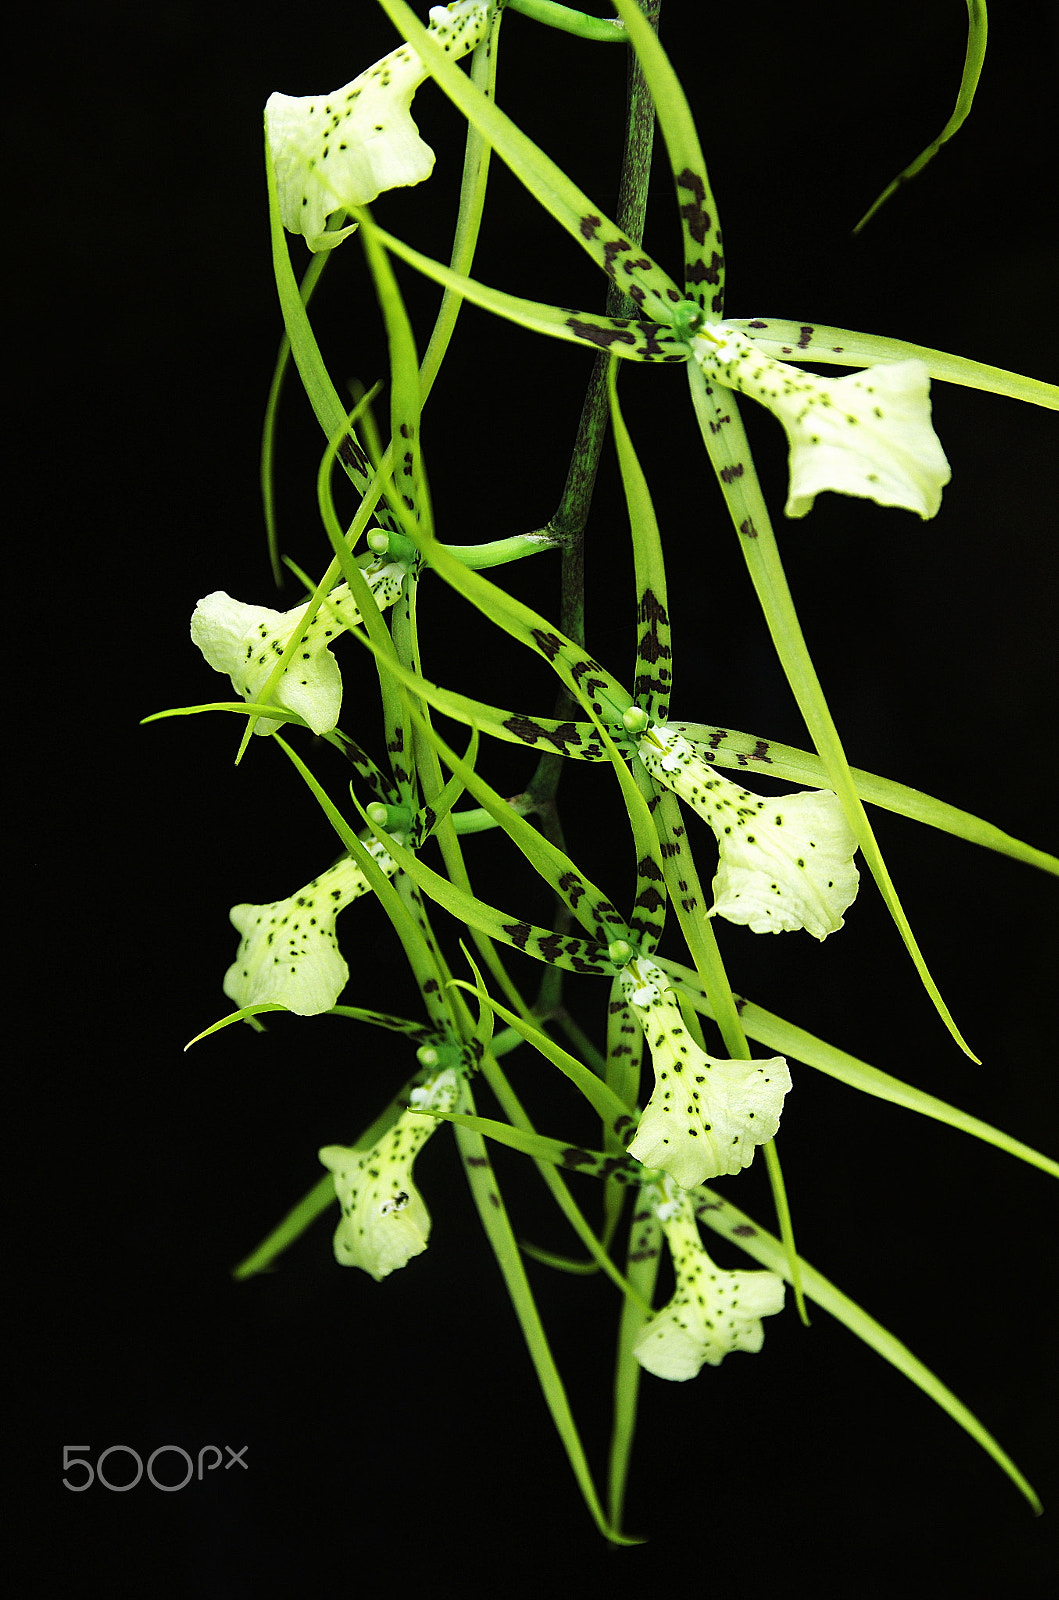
(784, 864)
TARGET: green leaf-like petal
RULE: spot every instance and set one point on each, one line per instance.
(724, 1218)
(842, 347)
(977, 34)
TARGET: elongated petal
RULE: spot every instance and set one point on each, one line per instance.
(712, 1312)
(385, 1221)
(246, 641)
(706, 1116)
(288, 954)
(335, 151)
(867, 434)
(785, 863)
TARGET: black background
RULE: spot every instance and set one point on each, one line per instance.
(395, 1434)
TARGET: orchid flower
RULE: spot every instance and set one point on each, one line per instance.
(335, 151)
(712, 1312)
(867, 434)
(246, 641)
(706, 1116)
(288, 954)
(786, 862)
(384, 1219)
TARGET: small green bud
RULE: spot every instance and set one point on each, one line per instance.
(427, 1056)
(620, 952)
(688, 318)
(395, 819)
(635, 720)
(379, 541)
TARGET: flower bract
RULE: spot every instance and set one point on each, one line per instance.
(712, 1312)
(384, 1219)
(868, 433)
(288, 954)
(706, 1116)
(335, 151)
(786, 862)
(246, 641)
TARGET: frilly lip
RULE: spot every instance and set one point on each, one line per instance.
(712, 1312)
(385, 1221)
(786, 862)
(246, 641)
(705, 1116)
(867, 434)
(288, 954)
(332, 152)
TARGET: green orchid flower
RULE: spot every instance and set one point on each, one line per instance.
(288, 954)
(706, 1116)
(246, 641)
(786, 862)
(332, 152)
(384, 1219)
(867, 434)
(712, 1312)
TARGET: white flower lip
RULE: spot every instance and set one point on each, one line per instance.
(385, 1221)
(712, 1312)
(868, 434)
(288, 954)
(246, 641)
(786, 862)
(335, 151)
(706, 1116)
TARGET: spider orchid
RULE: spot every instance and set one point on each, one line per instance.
(712, 1312)
(784, 864)
(384, 1219)
(288, 954)
(706, 1116)
(246, 641)
(867, 434)
(335, 151)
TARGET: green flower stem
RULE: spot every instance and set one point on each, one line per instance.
(497, 552)
(783, 1216)
(568, 523)
(604, 30)
(298, 1219)
(581, 1042)
(479, 820)
(469, 217)
(644, 1254)
(309, 281)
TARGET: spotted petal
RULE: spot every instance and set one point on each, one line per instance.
(384, 1219)
(706, 1116)
(335, 151)
(785, 862)
(867, 434)
(246, 641)
(288, 954)
(712, 1312)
